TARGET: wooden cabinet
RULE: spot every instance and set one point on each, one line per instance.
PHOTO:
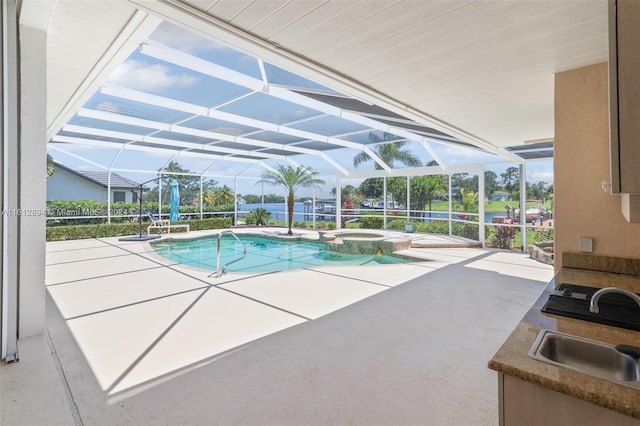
(624, 95)
(524, 403)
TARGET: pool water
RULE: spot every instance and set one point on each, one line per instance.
(263, 254)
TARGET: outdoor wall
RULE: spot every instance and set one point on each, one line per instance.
(581, 164)
(63, 185)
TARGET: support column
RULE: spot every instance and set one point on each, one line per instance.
(481, 189)
(159, 196)
(523, 206)
(313, 208)
(201, 197)
(9, 261)
(235, 201)
(384, 202)
(338, 203)
(408, 198)
(32, 179)
(450, 207)
(109, 195)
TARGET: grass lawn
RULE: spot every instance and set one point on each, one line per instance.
(489, 206)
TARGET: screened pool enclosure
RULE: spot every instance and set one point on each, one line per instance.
(224, 115)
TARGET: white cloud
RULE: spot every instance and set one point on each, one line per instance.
(108, 106)
(544, 176)
(149, 77)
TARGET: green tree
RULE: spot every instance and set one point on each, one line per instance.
(388, 152)
(424, 189)
(291, 179)
(469, 201)
(346, 192)
(510, 179)
(490, 183)
(188, 183)
(50, 167)
(397, 187)
(464, 181)
(371, 188)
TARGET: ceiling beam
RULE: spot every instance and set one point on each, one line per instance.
(124, 119)
(132, 137)
(185, 60)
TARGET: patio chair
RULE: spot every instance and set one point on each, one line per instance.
(163, 224)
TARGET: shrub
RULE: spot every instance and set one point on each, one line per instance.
(433, 227)
(331, 226)
(542, 235)
(372, 222)
(250, 218)
(466, 230)
(396, 224)
(502, 236)
(261, 215)
(99, 210)
(102, 230)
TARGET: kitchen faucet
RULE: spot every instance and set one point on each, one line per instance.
(593, 307)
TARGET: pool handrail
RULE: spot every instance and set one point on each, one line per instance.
(220, 271)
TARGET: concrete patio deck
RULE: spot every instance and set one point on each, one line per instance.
(136, 339)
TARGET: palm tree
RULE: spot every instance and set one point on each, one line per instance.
(291, 179)
(388, 152)
(223, 195)
(209, 198)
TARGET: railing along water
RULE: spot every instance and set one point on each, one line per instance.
(220, 271)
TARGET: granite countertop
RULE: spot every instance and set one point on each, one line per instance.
(512, 358)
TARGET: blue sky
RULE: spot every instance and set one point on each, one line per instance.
(145, 73)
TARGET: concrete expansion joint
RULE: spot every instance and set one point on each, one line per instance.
(63, 379)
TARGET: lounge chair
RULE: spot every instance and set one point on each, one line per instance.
(163, 224)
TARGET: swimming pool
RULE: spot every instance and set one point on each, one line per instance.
(263, 254)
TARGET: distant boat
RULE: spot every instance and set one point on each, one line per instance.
(321, 207)
(532, 213)
(240, 200)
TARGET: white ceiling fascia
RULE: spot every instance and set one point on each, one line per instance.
(200, 22)
(135, 31)
(37, 14)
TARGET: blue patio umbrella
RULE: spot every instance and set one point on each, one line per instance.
(175, 201)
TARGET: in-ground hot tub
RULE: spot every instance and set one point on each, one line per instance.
(364, 242)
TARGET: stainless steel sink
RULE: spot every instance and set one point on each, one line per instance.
(586, 356)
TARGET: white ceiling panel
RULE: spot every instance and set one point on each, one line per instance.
(289, 13)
